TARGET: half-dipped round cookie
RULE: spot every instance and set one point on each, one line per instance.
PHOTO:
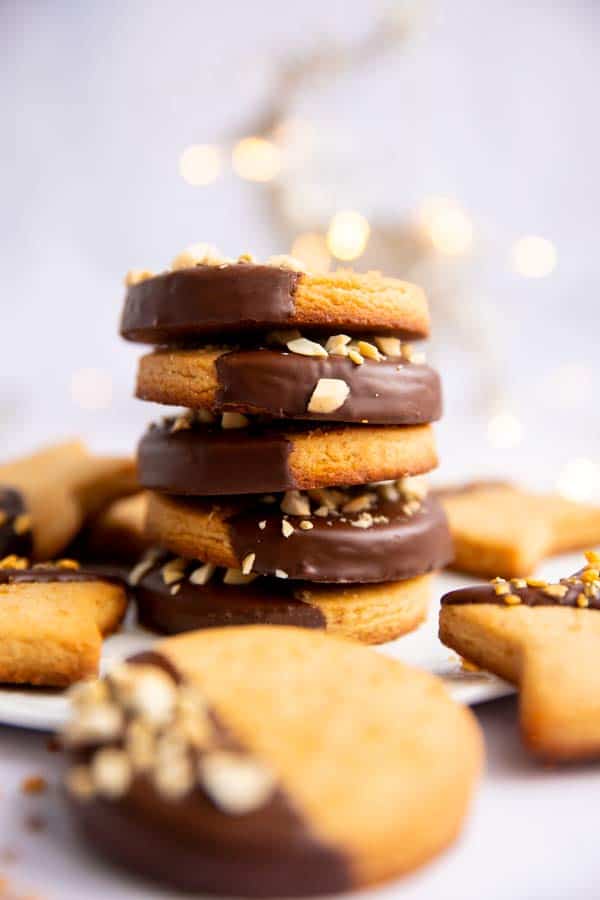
(303, 382)
(174, 595)
(53, 617)
(269, 762)
(185, 456)
(376, 534)
(199, 301)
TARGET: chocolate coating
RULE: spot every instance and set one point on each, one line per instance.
(280, 384)
(12, 505)
(336, 551)
(190, 304)
(47, 574)
(191, 845)
(266, 601)
(530, 596)
(212, 461)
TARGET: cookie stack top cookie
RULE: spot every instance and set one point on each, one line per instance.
(302, 395)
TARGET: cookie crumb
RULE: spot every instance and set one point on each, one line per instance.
(34, 784)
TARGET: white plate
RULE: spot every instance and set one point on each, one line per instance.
(46, 710)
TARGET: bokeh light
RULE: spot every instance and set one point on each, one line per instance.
(91, 389)
(311, 249)
(256, 159)
(504, 431)
(447, 225)
(200, 164)
(579, 480)
(533, 256)
(348, 235)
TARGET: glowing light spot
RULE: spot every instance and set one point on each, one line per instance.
(579, 480)
(533, 256)
(91, 389)
(449, 228)
(504, 431)
(311, 249)
(200, 164)
(256, 159)
(348, 235)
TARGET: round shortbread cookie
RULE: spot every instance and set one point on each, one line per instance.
(197, 459)
(283, 385)
(365, 538)
(52, 620)
(174, 595)
(269, 762)
(191, 304)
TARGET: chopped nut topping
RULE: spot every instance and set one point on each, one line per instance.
(306, 525)
(183, 422)
(173, 774)
(369, 351)
(262, 524)
(501, 589)
(234, 420)
(204, 416)
(389, 346)
(336, 345)
(247, 258)
(295, 503)
(199, 255)
(98, 722)
(356, 356)
(512, 599)
(22, 523)
(413, 487)
(237, 577)
(146, 690)
(67, 564)
(14, 562)
(388, 492)
(202, 574)
(173, 570)
(359, 503)
(365, 520)
(236, 784)
(136, 276)
(286, 262)
(582, 601)
(305, 347)
(322, 511)
(283, 336)
(412, 356)
(279, 573)
(175, 589)
(593, 557)
(79, 782)
(111, 772)
(287, 529)
(247, 563)
(590, 574)
(140, 744)
(536, 582)
(329, 394)
(518, 582)
(555, 590)
(329, 497)
(141, 569)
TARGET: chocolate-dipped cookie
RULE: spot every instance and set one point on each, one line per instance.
(545, 638)
(290, 384)
(181, 770)
(197, 300)
(174, 595)
(53, 617)
(185, 456)
(376, 534)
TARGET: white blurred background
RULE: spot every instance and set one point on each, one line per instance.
(464, 134)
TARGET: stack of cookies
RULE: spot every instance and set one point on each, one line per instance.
(289, 490)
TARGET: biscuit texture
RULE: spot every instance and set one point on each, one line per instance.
(210, 460)
(499, 529)
(192, 303)
(51, 632)
(391, 544)
(62, 485)
(343, 745)
(549, 650)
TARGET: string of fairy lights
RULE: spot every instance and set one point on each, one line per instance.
(433, 244)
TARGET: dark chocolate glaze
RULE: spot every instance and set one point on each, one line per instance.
(191, 845)
(530, 596)
(48, 574)
(280, 384)
(12, 504)
(265, 601)
(212, 461)
(202, 301)
(336, 551)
